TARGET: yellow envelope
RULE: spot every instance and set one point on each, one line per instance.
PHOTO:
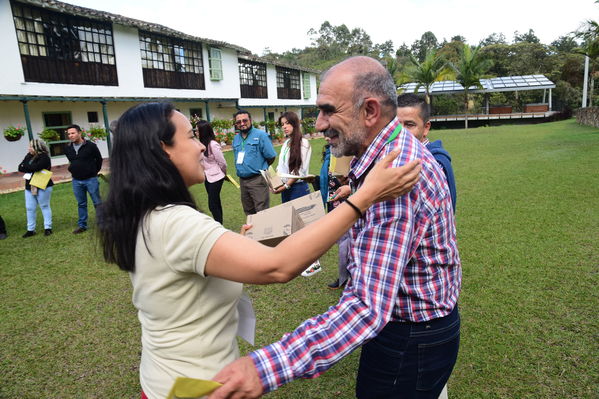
(191, 388)
(41, 179)
(231, 180)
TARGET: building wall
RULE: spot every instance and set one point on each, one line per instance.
(130, 86)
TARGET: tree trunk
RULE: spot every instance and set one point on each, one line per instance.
(465, 109)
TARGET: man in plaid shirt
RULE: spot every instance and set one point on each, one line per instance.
(400, 303)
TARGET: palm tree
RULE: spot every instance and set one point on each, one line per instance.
(432, 69)
(470, 69)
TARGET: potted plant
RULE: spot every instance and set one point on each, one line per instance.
(308, 126)
(14, 133)
(49, 135)
(229, 137)
(94, 133)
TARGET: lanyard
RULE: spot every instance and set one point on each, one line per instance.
(394, 134)
(285, 151)
(243, 140)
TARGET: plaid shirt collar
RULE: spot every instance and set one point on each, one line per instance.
(359, 166)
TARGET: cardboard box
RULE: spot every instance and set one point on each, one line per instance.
(273, 225)
(309, 207)
(341, 165)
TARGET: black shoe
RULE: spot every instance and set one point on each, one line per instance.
(335, 285)
(47, 232)
(3, 236)
(79, 230)
(28, 234)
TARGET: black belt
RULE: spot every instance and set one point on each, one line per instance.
(249, 177)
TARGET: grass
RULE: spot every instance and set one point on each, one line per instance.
(528, 223)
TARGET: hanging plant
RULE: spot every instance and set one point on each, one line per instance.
(14, 133)
(49, 135)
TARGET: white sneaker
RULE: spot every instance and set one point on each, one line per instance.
(312, 270)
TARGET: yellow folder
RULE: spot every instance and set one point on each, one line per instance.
(232, 180)
(187, 388)
(41, 179)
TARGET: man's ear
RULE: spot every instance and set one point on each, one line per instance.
(427, 128)
(372, 111)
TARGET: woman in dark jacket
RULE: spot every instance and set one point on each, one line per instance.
(36, 160)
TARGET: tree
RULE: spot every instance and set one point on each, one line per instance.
(493, 38)
(392, 65)
(432, 69)
(590, 48)
(384, 50)
(450, 51)
(403, 51)
(499, 54)
(564, 44)
(420, 48)
(528, 37)
(469, 70)
(458, 38)
(527, 58)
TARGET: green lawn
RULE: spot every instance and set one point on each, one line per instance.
(528, 227)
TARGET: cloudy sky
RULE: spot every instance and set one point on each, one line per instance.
(282, 25)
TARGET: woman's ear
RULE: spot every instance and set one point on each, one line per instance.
(165, 148)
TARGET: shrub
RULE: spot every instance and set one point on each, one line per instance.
(49, 135)
(94, 133)
(308, 125)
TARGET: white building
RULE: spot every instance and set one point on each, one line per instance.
(66, 64)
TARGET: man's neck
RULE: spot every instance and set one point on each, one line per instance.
(79, 142)
(372, 133)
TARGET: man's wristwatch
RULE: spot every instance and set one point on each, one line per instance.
(286, 186)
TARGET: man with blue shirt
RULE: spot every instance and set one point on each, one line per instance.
(413, 113)
(253, 152)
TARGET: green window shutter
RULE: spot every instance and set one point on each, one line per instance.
(306, 84)
(216, 64)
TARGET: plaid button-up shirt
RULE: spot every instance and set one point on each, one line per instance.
(404, 266)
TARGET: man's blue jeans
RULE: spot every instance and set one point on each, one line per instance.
(409, 360)
(80, 189)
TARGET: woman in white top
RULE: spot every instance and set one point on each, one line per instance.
(215, 168)
(294, 158)
(186, 269)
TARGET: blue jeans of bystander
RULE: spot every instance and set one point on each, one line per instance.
(42, 198)
(80, 189)
(296, 190)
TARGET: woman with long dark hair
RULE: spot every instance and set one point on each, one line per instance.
(294, 158)
(186, 268)
(215, 168)
(37, 159)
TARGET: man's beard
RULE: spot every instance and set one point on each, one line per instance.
(346, 145)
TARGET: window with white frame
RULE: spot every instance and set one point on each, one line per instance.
(171, 62)
(288, 83)
(306, 84)
(62, 48)
(216, 64)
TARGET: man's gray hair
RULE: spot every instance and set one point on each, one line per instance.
(378, 84)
